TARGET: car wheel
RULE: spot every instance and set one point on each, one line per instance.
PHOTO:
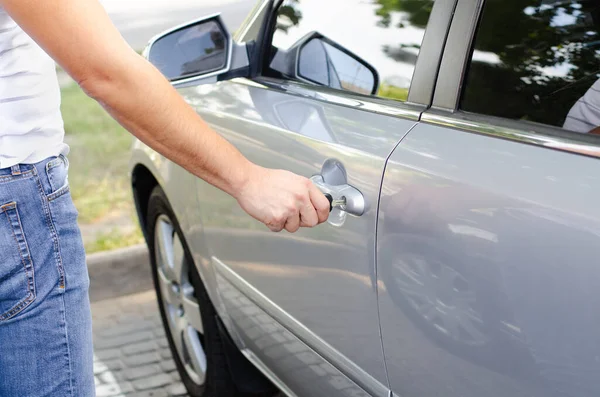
(189, 318)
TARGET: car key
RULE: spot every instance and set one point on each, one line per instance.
(335, 203)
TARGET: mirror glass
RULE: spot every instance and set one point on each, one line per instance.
(191, 51)
(325, 64)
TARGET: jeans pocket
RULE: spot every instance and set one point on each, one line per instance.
(17, 286)
(58, 177)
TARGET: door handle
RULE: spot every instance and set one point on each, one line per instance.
(355, 201)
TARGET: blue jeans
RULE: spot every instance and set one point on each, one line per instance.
(45, 318)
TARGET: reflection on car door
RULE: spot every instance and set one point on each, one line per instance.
(489, 228)
(318, 283)
(487, 254)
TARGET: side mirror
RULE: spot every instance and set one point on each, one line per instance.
(196, 52)
(319, 60)
(323, 61)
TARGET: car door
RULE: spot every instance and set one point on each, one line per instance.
(305, 304)
(489, 223)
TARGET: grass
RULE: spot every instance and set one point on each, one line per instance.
(113, 240)
(98, 169)
(393, 92)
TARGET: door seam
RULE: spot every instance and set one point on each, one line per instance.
(376, 283)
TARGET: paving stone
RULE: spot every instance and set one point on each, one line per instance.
(107, 354)
(150, 393)
(130, 319)
(166, 353)
(177, 390)
(163, 342)
(113, 390)
(102, 366)
(123, 329)
(152, 382)
(141, 359)
(142, 347)
(160, 332)
(124, 340)
(109, 377)
(168, 366)
(141, 372)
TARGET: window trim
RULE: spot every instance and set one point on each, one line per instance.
(448, 90)
(420, 92)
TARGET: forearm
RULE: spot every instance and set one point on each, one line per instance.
(79, 35)
(146, 104)
(81, 38)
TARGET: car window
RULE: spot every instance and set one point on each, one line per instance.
(367, 47)
(537, 60)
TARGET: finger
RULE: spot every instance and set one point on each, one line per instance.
(320, 203)
(308, 215)
(275, 226)
(293, 223)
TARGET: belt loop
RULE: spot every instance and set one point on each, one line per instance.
(15, 169)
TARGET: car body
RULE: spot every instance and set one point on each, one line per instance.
(466, 263)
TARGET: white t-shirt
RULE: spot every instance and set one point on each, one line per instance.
(31, 126)
(584, 116)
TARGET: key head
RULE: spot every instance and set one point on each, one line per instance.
(330, 198)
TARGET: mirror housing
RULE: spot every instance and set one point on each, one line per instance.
(197, 52)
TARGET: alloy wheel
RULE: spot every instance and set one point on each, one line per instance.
(179, 300)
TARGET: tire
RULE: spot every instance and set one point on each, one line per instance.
(217, 380)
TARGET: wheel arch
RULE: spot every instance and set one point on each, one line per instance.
(143, 183)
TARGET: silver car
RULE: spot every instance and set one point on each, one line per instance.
(465, 258)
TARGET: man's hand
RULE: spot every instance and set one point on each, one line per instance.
(282, 200)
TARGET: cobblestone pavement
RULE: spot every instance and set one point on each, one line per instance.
(132, 357)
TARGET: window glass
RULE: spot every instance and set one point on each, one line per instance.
(363, 46)
(537, 60)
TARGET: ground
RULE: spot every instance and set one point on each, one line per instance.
(131, 354)
(132, 357)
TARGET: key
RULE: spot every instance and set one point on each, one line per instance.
(335, 203)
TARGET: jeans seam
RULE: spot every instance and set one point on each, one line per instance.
(63, 190)
(66, 333)
(22, 175)
(50, 223)
(20, 306)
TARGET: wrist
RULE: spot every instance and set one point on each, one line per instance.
(241, 178)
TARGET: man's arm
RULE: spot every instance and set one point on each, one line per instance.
(79, 36)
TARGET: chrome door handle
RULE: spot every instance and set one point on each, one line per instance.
(355, 201)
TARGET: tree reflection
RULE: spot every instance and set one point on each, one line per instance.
(534, 59)
(547, 58)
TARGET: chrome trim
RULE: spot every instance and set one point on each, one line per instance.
(188, 80)
(306, 336)
(565, 141)
(374, 104)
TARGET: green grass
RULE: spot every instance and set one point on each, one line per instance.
(113, 240)
(392, 92)
(100, 150)
(99, 156)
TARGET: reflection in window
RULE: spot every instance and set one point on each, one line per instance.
(537, 66)
(387, 34)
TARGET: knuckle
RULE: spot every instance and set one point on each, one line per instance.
(291, 207)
